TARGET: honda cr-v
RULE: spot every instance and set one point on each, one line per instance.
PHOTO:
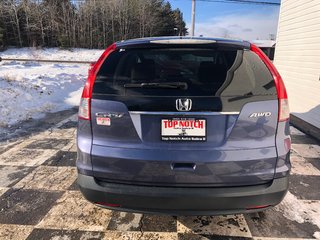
(184, 126)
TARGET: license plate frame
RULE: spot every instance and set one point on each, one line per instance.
(182, 129)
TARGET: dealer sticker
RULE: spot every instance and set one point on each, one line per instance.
(103, 121)
(183, 129)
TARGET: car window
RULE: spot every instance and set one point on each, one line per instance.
(181, 72)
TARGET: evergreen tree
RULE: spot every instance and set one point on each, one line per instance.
(168, 22)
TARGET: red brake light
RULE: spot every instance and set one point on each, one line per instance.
(284, 112)
(91, 67)
(84, 108)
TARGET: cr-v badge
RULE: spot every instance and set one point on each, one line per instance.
(183, 105)
(262, 114)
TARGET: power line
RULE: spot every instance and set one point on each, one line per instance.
(254, 2)
(227, 1)
(243, 2)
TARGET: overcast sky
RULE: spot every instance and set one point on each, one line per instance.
(242, 21)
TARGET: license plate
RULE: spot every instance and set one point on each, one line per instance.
(183, 129)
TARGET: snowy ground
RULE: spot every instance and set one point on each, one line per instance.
(29, 89)
(76, 54)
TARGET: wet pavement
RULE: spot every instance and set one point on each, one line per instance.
(39, 198)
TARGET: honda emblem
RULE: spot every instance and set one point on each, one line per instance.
(183, 105)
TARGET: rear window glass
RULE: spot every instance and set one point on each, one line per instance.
(183, 72)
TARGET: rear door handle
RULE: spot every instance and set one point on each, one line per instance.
(183, 166)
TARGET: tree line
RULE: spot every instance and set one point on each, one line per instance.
(85, 23)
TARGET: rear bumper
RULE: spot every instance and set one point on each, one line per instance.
(183, 201)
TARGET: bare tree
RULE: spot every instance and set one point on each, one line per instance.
(85, 23)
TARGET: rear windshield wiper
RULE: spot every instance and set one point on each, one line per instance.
(174, 85)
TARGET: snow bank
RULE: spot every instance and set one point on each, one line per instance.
(75, 54)
(300, 210)
(29, 90)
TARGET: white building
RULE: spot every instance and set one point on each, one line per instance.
(297, 57)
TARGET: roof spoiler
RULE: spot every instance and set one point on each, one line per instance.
(183, 41)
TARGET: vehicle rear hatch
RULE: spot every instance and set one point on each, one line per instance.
(174, 113)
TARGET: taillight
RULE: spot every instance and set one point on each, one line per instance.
(284, 112)
(85, 102)
(91, 67)
(84, 108)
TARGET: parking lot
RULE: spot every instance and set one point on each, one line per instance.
(39, 198)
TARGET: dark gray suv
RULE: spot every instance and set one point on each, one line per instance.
(184, 126)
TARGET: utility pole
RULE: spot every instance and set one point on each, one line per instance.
(193, 17)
